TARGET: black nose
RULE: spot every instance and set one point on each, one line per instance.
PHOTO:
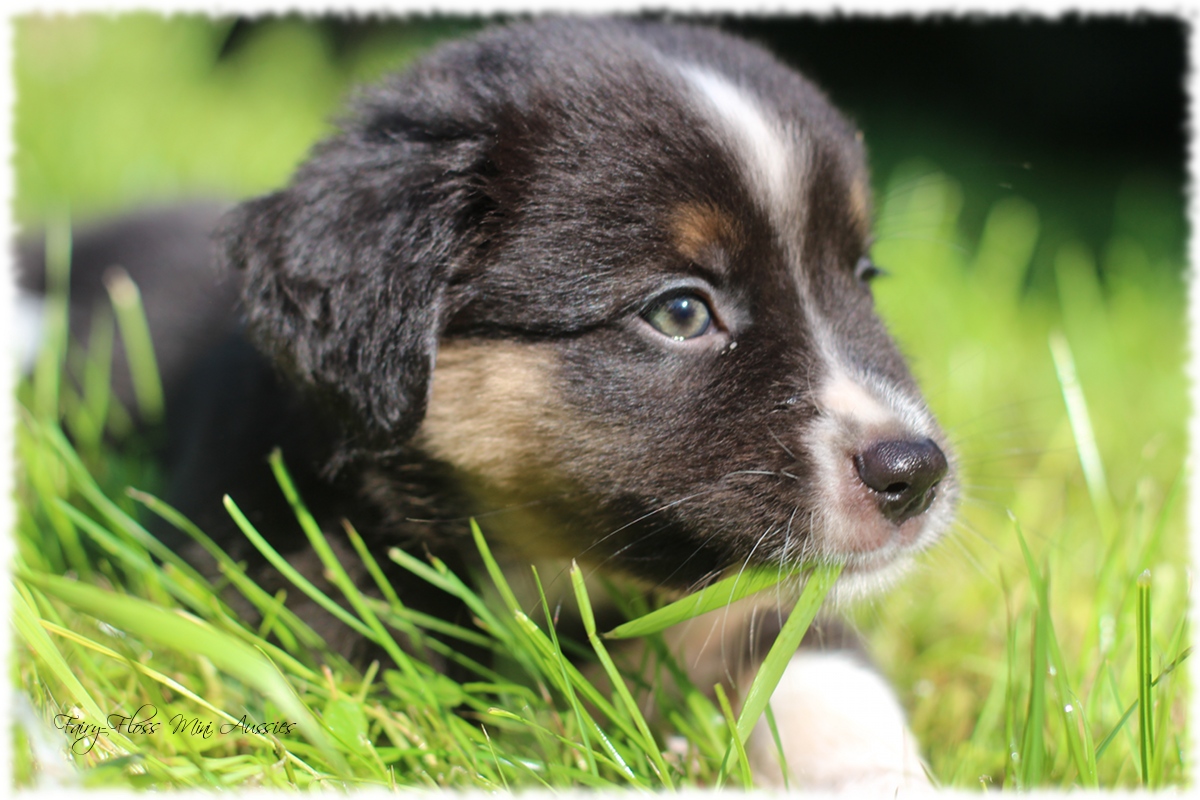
(902, 475)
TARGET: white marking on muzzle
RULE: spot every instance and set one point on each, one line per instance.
(857, 408)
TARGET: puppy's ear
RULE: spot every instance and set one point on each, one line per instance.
(346, 270)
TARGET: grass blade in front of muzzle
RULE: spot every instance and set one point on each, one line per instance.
(710, 598)
(820, 582)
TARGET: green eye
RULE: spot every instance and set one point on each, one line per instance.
(681, 317)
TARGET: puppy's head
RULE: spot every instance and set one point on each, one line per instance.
(616, 277)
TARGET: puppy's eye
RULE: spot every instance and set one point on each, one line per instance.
(865, 270)
(683, 316)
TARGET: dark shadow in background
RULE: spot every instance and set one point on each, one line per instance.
(1065, 113)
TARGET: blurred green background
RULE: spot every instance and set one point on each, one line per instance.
(1029, 185)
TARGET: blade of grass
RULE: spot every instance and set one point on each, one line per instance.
(1033, 745)
(583, 721)
(49, 368)
(576, 681)
(718, 595)
(820, 582)
(782, 756)
(1085, 436)
(1069, 707)
(736, 742)
(572, 745)
(139, 347)
(1165, 698)
(154, 583)
(618, 682)
(493, 569)
(292, 574)
(703, 712)
(495, 758)
(187, 634)
(336, 573)
(42, 473)
(295, 630)
(1144, 667)
(114, 514)
(1115, 691)
(97, 383)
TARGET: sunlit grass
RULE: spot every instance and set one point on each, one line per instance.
(1068, 412)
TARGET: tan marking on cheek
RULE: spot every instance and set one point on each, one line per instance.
(860, 204)
(494, 412)
(696, 227)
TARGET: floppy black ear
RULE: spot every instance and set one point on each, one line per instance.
(347, 268)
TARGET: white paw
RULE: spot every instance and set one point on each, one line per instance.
(841, 728)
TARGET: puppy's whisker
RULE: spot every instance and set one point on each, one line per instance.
(712, 629)
(781, 555)
(642, 518)
(971, 558)
(904, 189)
(964, 527)
(696, 585)
(767, 472)
(725, 615)
(779, 442)
(703, 581)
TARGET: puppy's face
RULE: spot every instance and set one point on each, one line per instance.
(655, 340)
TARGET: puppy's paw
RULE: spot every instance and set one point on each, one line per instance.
(841, 729)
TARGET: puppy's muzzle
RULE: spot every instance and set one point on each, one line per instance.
(902, 475)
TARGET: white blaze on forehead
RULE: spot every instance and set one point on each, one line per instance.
(766, 150)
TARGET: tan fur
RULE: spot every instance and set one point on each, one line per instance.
(860, 204)
(697, 227)
(494, 412)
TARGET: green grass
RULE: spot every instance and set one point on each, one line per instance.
(188, 696)
(1068, 410)
(1037, 647)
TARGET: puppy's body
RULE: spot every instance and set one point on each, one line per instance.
(602, 285)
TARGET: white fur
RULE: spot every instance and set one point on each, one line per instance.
(768, 153)
(855, 410)
(841, 728)
(27, 323)
(846, 398)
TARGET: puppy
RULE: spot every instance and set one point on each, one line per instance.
(603, 285)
